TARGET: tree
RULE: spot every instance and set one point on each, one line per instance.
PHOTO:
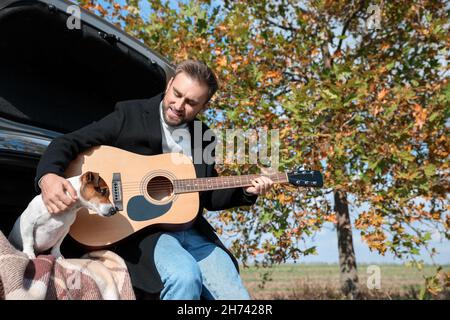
(367, 106)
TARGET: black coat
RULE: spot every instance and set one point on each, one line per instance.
(135, 126)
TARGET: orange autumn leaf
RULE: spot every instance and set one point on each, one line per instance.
(377, 198)
(338, 54)
(259, 251)
(273, 74)
(420, 115)
(101, 9)
(382, 94)
(385, 46)
(222, 28)
(222, 61)
(330, 218)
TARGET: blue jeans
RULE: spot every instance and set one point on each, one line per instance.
(191, 267)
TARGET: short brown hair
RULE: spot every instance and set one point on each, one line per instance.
(199, 71)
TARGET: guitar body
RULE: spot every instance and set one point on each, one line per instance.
(146, 194)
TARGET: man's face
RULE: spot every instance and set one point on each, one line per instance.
(184, 99)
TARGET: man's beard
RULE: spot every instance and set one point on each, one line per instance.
(169, 121)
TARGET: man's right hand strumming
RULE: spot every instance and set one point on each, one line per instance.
(57, 193)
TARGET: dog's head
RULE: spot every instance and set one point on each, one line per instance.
(95, 194)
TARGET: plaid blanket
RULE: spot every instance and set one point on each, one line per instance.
(97, 275)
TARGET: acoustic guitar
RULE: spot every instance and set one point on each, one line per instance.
(159, 191)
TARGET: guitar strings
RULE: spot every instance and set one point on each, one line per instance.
(223, 178)
(178, 183)
(157, 185)
(169, 187)
(135, 187)
(163, 183)
(181, 184)
(170, 184)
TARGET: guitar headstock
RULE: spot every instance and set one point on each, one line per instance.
(305, 178)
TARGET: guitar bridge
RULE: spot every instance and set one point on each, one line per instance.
(117, 191)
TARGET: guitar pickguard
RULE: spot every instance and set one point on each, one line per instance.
(140, 209)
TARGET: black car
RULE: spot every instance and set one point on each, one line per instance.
(54, 80)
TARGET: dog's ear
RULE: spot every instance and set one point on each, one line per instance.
(92, 177)
(96, 179)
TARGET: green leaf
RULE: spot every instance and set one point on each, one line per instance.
(329, 94)
(389, 111)
(447, 92)
(373, 165)
(312, 251)
(390, 65)
(430, 170)
(433, 116)
(407, 156)
(278, 233)
(201, 24)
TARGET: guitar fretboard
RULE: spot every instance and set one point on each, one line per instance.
(224, 182)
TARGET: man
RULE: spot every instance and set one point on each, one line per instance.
(178, 265)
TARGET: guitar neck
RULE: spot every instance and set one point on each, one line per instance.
(225, 182)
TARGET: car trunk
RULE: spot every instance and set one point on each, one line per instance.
(63, 79)
(59, 80)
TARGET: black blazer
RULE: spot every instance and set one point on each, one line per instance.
(135, 126)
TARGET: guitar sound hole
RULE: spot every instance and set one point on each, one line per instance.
(160, 188)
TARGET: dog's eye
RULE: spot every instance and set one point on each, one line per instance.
(104, 192)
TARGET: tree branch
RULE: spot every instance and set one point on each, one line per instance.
(362, 4)
(287, 28)
(295, 77)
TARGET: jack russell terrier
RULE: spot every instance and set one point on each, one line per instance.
(36, 230)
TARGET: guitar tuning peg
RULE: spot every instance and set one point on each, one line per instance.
(300, 169)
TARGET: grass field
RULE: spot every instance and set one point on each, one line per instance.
(321, 281)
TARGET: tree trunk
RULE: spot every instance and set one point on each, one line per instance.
(347, 260)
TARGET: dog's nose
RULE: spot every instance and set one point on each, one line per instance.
(112, 211)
